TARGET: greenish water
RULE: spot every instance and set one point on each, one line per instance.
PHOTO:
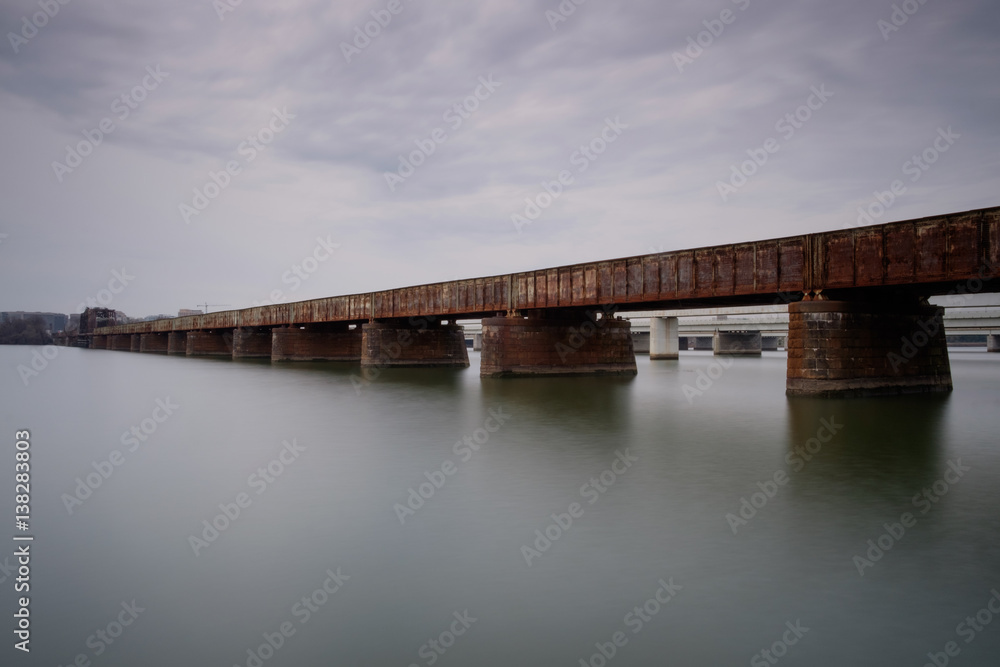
(639, 473)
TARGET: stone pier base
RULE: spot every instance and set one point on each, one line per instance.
(392, 344)
(252, 343)
(121, 342)
(316, 343)
(135, 344)
(177, 342)
(663, 339)
(858, 348)
(209, 344)
(517, 346)
(153, 342)
(992, 343)
(737, 343)
(97, 342)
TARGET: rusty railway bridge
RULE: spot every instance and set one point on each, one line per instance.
(859, 322)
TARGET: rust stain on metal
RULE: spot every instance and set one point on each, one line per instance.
(930, 251)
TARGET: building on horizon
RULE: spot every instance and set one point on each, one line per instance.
(188, 312)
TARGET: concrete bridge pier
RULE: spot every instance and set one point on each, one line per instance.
(737, 343)
(177, 342)
(663, 340)
(153, 342)
(417, 342)
(252, 343)
(477, 342)
(135, 344)
(316, 342)
(558, 345)
(866, 348)
(992, 343)
(210, 343)
(121, 342)
(97, 342)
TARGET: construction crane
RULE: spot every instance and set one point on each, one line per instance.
(213, 305)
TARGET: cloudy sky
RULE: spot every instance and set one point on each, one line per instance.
(647, 109)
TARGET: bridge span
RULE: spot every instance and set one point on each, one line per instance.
(858, 318)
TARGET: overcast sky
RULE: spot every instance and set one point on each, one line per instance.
(311, 115)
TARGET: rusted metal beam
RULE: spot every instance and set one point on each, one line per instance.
(927, 255)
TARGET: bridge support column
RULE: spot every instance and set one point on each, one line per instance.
(992, 343)
(477, 342)
(517, 346)
(177, 342)
(121, 342)
(860, 348)
(209, 344)
(136, 343)
(316, 343)
(252, 343)
(97, 342)
(153, 342)
(392, 344)
(663, 340)
(737, 343)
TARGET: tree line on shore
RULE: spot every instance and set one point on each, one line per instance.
(29, 331)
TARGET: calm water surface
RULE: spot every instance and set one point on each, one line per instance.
(653, 470)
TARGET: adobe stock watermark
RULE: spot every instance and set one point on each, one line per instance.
(260, 481)
(248, 149)
(581, 158)
(455, 116)
(131, 441)
(932, 325)
(37, 21)
(105, 637)
(796, 460)
(787, 125)
(223, 7)
(116, 285)
(704, 39)
(592, 491)
(434, 648)
(968, 629)
(370, 30)
(707, 377)
(302, 610)
(923, 501)
(122, 107)
(900, 15)
(915, 168)
(389, 353)
(635, 620)
(578, 337)
(962, 293)
(779, 648)
(437, 478)
(302, 270)
(562, 12)
(40, 359)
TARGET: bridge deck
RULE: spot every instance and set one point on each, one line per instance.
(927, 254)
